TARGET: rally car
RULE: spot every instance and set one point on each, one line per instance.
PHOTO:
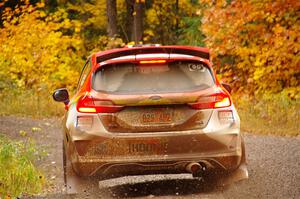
(150, 110)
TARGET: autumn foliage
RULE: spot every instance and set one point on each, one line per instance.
(39, 50)
(256, 44)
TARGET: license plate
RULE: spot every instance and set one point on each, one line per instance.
(157, 117)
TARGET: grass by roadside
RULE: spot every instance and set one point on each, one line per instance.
(37, 104)
(274, 114)
(18, 175)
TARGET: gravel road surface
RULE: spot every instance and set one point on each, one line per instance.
(273, 164)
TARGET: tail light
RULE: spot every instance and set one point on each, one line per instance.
(88, 104)
(217, 100)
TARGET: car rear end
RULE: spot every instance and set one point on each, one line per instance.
(154, 113)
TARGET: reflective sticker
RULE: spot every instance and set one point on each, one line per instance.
(197, 67)
(84, 122)
(226, 116)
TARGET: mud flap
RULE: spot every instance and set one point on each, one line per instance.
(240, 173)
(73, 183)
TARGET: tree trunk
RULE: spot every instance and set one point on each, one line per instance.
(111, 12)
(129, 19)
(138, 20)
(177, 15)
(176, 28)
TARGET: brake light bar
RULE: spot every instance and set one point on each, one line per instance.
(88, 104)
(153, 62)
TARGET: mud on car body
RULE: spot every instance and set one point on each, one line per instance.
(150, 110)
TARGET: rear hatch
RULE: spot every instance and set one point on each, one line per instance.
(153, 96)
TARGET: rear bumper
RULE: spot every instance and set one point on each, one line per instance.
(168, 153)
(85, 167)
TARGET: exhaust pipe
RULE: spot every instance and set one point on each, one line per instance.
(193, 167)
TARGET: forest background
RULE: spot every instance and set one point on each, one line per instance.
(254, 45)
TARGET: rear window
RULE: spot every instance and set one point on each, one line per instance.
(129, 78)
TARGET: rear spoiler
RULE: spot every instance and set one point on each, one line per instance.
(186, 50)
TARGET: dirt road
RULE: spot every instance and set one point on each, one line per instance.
(273, 163)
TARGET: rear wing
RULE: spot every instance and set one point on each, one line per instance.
(186, 50)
